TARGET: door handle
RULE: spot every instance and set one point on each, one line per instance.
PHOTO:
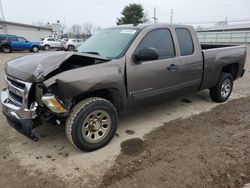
(172, 67)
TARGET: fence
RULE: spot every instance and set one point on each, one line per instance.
(224, 37)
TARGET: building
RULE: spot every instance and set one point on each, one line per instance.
(236, 33)
(233, 27)
(31, 32)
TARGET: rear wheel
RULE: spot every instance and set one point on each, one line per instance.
(71, 48)
(92, 124)
(6, 49)
(223, 89)
(46, 47)
(35, 49)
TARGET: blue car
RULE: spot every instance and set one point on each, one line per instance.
(9, 43)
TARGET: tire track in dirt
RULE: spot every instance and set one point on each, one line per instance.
(207, 150)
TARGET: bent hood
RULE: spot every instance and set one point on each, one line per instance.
(34, 68)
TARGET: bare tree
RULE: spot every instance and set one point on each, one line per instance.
(88, 28)
(62, 29)
(76, 30)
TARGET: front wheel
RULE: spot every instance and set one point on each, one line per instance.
(92, 124)
(223, 89)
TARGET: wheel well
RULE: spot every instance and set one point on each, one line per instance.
(112, 95)
(232, 69)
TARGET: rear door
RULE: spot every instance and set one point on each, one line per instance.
(191, 61)
(153, 80)
(12, 40)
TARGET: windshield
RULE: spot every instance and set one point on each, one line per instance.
(109, 43)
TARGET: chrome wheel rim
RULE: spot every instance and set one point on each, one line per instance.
(226, 88)
(46, 48)
(96, 126)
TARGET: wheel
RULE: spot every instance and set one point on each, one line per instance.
(92, 123)
(71, 48)
(6, 49)
(35, 49)
(46, 47)
(223, 89)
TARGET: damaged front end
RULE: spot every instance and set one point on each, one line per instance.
(26, 101)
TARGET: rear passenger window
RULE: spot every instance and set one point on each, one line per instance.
(185, 41)
(161, 39)
(12, 38)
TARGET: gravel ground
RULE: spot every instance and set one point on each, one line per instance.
(154, 147)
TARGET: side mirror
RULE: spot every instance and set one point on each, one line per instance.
(146, 54)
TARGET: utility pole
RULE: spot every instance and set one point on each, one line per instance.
(155, 18)
(171, 16)
(1, 9)
(226, 21)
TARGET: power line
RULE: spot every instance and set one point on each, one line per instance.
(216, 21)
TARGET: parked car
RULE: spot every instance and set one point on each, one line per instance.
(72, 44)
(48, 43)
(9, 43)
(106, 78)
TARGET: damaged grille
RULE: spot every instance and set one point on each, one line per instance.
(18, 91)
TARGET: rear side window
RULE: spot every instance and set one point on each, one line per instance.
(12, 38)
(185, 41)
(161, 39)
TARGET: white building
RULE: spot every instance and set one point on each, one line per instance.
(30, 32)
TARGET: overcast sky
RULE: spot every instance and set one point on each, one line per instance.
(104, 12)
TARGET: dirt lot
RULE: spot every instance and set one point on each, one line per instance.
(154, 147)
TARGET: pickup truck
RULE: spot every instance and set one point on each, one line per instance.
(115, 71)
(9, 43)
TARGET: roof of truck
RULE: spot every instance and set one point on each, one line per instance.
(142, 26)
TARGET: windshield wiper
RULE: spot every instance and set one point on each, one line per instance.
(95, 53)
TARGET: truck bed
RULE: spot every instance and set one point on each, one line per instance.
(211, 46)
(216, 56)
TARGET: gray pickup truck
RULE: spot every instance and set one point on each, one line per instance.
(116, 70)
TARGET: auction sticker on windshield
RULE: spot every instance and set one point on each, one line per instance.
(128, 31)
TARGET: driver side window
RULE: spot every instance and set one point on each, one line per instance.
(161, 40)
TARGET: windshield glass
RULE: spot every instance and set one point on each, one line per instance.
(109, 43)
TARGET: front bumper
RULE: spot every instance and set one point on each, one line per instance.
(19, 118)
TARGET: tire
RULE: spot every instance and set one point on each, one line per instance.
(92, 116)
(223, 89)
(6, 49)
(71, 48)
(47, 47)
(35, 49)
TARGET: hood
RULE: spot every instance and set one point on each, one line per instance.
(34, 68)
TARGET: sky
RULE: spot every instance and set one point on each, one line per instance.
(104, 13)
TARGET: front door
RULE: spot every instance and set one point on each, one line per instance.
(154, 80)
